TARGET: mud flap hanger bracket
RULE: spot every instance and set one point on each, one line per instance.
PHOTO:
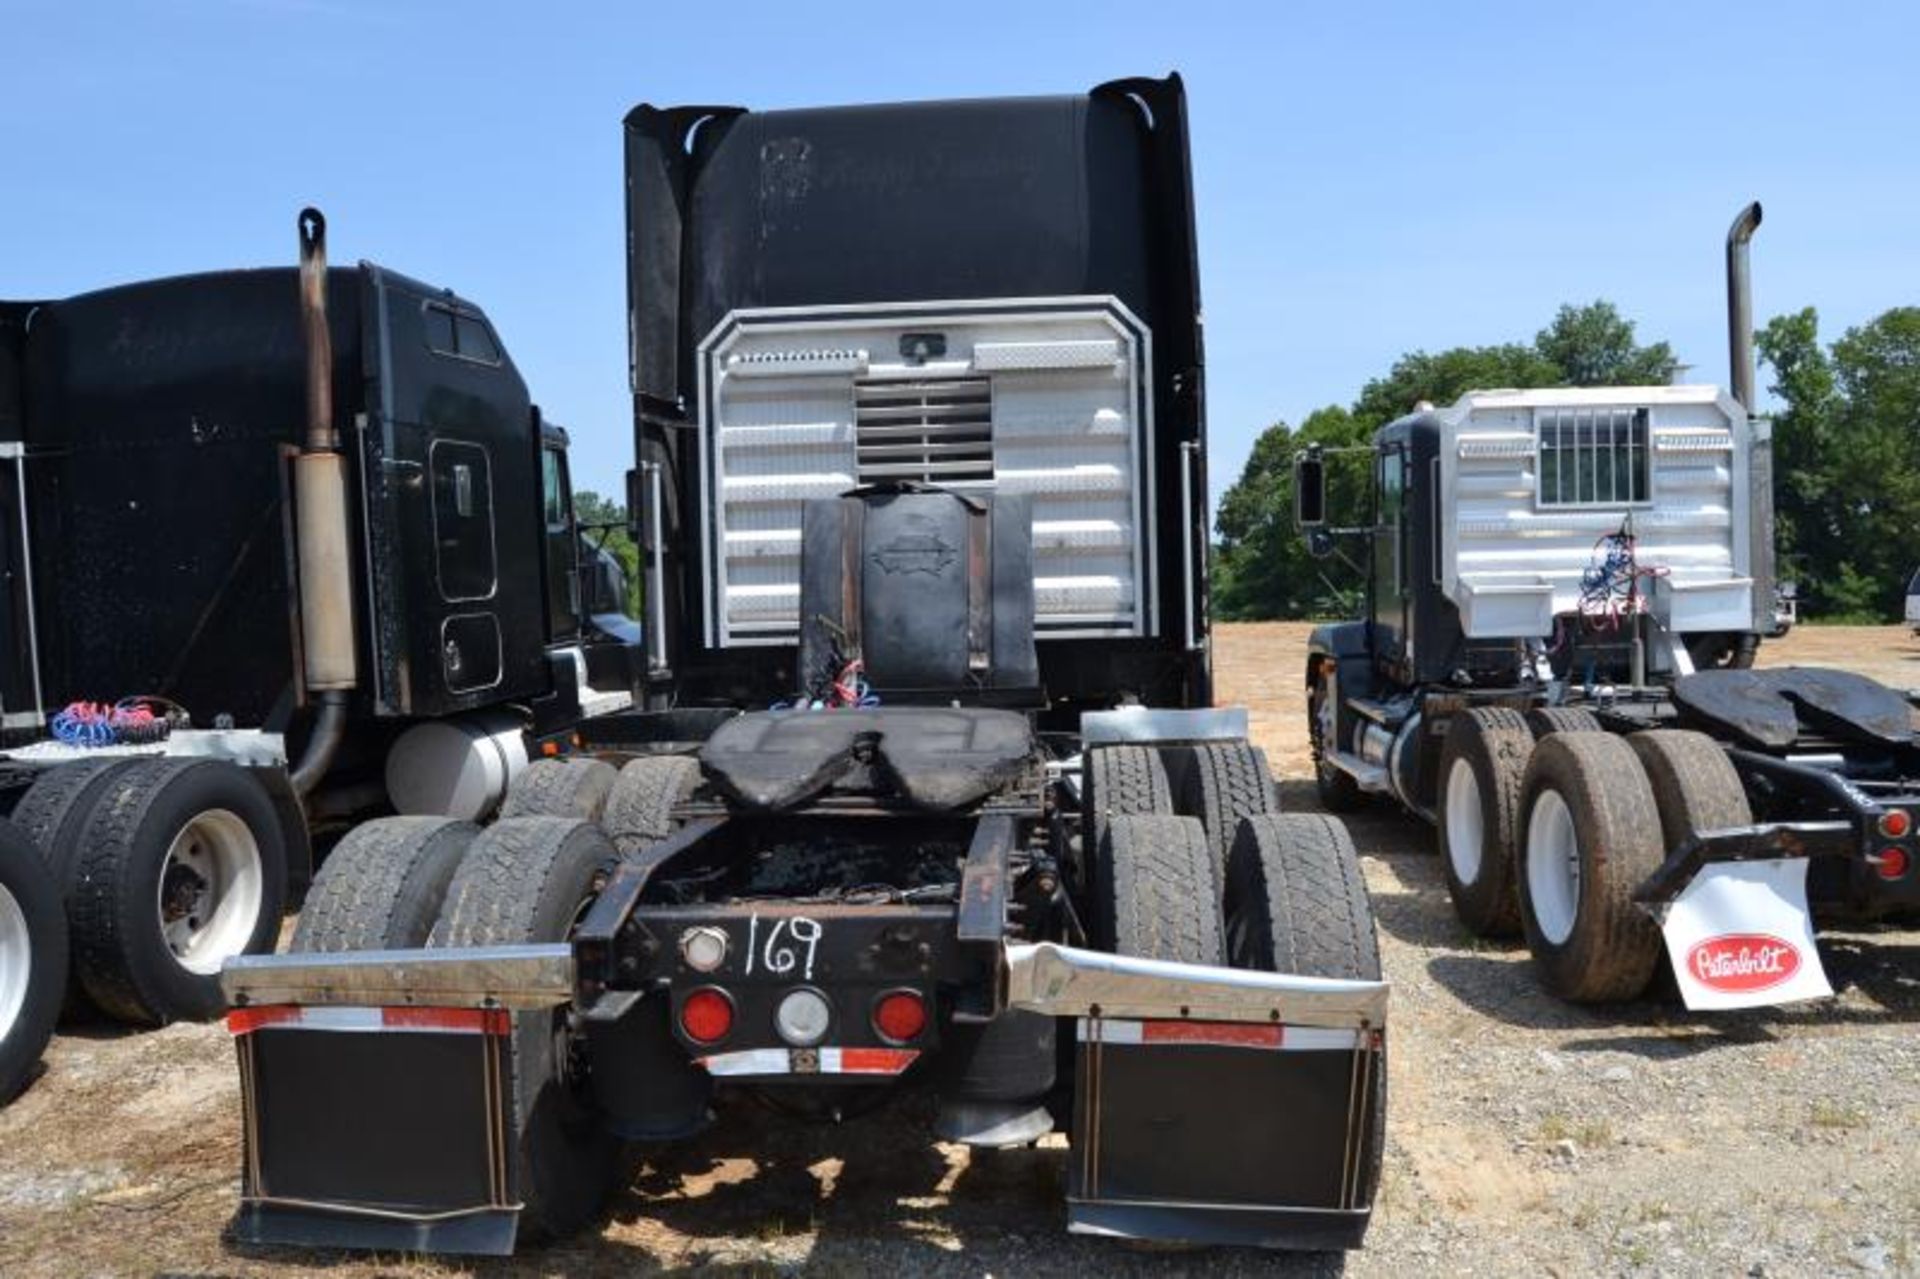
(1063, 981)
(1059, 981)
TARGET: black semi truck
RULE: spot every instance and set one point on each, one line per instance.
(1565, 591)
(278, 548)
(926, 793)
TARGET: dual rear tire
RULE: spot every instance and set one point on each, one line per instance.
(1548, 826)
(167, 868)
(403, 882)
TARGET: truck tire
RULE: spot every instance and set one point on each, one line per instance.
(33, 959)
(560, 788)
(382, 886)
(1694, 784)
(55, 807)
(528, 880)
(1338, 791)
(1561, 719)
(180, 867)
(1154, 904)
(1591, 836)
(640, 805)
(1120, 781)
(1221, 783)
(1482, 767)
(1297, 903)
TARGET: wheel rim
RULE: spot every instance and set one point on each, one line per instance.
(1553, 867)
(211, 886)
(1466, 823)
(16, 961)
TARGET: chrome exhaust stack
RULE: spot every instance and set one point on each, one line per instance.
(320, 512)
(1740, 305)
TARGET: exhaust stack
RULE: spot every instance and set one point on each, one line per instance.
(320, 510)
(1760, 555)
(1740, 306)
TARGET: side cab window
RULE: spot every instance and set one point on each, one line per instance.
(553, 489)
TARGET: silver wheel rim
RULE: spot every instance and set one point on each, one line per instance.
(1466, 823)
(210, 891)
(16, 960)
(1553, 867)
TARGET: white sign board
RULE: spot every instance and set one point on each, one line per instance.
(1740, 936)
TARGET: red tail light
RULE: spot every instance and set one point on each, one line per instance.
(706, 1015)
(1895, 823)
(900, 1016)
(1892, 863)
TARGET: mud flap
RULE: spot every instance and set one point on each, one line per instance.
(1740, 936)
(1223, 1133)
(380, 1128)
(1214, 1105)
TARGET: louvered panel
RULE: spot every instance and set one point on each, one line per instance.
(937, 430)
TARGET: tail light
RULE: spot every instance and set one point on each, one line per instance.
(1892, 863)
(899, 1016)
(706, 1015)
(1895, 823)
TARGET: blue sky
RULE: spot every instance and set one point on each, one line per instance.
(1370, 178)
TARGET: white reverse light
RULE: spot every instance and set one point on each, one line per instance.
(803, 1017)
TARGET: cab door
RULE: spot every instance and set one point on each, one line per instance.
(452, 499)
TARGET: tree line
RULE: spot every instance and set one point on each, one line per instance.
(1846, 457)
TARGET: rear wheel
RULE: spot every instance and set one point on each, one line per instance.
(33, 959)
(1222, 783)
(180, 867)
(1120, 781)
(528, 880)
(560, 788)
(55, 807)
(52, 814)
(1592, 836)
(1297, 903)
(640, 805)
(1338, 791)
(382, 886)
(1481, 770)
(1694, 784)
(1155, 874)
(1561, 719)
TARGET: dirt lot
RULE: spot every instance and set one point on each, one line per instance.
(1526, 1137)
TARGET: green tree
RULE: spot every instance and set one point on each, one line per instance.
(1261, 565)
(1444, 377)
(1847, 460)
(1593, 345)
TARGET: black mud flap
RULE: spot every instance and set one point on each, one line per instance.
(376, 1128)
(1230, 1133)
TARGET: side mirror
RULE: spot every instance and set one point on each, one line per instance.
(1309, 489)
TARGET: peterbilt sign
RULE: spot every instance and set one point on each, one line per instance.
(1739, 936)
(1742, 962)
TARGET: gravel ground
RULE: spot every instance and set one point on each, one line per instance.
(1525, 1136)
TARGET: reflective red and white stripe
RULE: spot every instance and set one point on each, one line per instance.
(810, 1061)
(431, 1021)
(1218, 1034)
